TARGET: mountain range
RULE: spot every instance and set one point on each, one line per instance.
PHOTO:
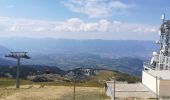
(112, 48)
(122, 55)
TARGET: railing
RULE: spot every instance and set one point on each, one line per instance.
(149, 66)
(163, 63)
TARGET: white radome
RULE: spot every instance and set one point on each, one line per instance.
(155, 53)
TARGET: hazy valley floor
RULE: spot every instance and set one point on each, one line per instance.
(51, 93)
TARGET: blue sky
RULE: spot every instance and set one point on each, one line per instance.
(82, 19)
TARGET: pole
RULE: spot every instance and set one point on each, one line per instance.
(18, 56)
(18, 73)
(157, 88)
(74, 96)
(114, 89)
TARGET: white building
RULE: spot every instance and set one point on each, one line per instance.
(158, 82)
(155, 76)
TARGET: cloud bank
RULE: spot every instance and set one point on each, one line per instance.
(74, 26)
(98, 8)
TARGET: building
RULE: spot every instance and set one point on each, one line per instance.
(155, 76)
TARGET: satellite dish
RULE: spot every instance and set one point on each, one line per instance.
(159, 33)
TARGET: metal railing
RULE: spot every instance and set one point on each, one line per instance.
(147, 65)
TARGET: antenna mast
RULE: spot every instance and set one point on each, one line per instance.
(165, 37)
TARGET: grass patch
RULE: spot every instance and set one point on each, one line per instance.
(5, 82)
(85, 95)
(4, 92)
(87, 84)
(52, 93)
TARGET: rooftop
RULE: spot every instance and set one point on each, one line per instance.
(125, 90)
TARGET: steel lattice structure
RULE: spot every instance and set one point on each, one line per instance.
(18, 56)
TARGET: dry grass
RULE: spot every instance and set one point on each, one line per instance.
(85, 95)
(36, 92)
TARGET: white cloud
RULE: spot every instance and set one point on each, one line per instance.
(97, 8)
(74, 26)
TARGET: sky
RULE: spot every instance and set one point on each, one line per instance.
(82, 19)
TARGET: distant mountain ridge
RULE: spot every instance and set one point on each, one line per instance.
(5, 62)
(110, 48)
(4, 50)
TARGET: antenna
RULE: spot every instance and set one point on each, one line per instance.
(163, 17)
(18, 56)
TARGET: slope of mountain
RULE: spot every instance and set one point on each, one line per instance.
(25, 70)
(99, 75)
(6, 62)
(129, 65)
(89, 76)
